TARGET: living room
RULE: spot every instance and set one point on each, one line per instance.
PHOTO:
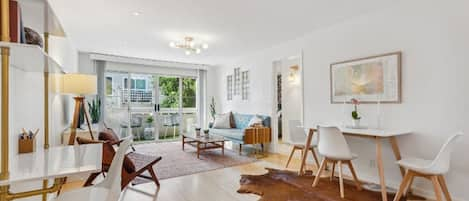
(277, 101)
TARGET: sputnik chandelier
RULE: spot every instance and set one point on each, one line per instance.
(189, 46)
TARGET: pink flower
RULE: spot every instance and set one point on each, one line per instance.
(355, 101)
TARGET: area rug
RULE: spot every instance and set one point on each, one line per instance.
(280, 185)
(176, 162)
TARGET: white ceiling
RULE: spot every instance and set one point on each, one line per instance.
(231, 28)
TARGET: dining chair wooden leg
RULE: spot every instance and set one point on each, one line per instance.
(341, 181)
(354, 174)
(291, 155)
(333, 170)
(403, 185)
(409, 185)
(436, 186)
(303, 152)
(318, 174)
(315, 157)
(153, 176)
(444, 187)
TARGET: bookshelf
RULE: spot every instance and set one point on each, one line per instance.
(31, 65)
(38, 60)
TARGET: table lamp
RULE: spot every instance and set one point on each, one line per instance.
(79, 85)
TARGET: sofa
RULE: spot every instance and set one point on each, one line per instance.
(243, 134)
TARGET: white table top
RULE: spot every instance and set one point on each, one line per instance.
(54, 162)
(373, 132)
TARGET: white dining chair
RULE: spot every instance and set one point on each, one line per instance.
(432, 170)
(298, 140)
(334, 149)
(109, 189)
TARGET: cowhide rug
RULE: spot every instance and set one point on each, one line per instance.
(279, 185)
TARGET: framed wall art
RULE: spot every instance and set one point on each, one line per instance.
(371, 80)
(229, 87)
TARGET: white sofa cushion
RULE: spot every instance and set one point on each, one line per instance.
(222, 120)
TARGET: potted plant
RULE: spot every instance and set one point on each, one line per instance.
(212, 109)
(355, 116)
(149, 129)
(206, 132)
(95, 110)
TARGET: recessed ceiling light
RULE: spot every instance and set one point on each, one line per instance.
(136, 13)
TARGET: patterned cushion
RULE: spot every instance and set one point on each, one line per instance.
(242, 120)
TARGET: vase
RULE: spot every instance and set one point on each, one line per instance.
(356, 123)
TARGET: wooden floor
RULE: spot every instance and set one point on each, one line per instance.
(209, 186)
(217, 185)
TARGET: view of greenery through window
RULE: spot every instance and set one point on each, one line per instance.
(170, 93)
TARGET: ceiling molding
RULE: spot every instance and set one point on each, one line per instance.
(148, 62)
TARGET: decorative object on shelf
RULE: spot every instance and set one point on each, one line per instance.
(245, 85)
(206, 132)
(95, 110)
(32, 37)
(189, 45)
(229, 87)
(27, 141)
(213, 111)
(355, 116)
(364, 78)
(80, 85)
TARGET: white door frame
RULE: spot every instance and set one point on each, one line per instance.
(274, 118)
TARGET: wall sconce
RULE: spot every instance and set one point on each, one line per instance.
(293, 75)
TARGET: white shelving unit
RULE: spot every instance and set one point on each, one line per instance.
(31, 58)
(33, 98)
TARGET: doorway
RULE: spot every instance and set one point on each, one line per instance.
(288, 99)
(150, 107)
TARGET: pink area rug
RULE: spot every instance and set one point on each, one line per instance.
(177, 163)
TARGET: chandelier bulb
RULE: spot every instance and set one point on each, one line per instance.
(172, 44)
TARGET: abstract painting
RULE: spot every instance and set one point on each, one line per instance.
(371, 79)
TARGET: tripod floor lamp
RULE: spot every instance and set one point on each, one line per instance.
(79, 85)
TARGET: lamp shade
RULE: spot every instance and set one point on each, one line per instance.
(79, 84)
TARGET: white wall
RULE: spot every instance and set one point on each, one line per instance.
(434, 39)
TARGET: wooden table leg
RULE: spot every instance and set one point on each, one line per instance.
(379, 160)
(397, 152)
(305, 151)
(223, 148)
(183, 142)
(198, 150)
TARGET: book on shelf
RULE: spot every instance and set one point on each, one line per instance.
(16, 24)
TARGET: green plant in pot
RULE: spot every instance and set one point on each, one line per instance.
(355, 115)
(95, 110)
(149, 120)
(213, 112)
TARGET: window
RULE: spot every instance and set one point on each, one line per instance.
(108, 86)
(135, 84)
(189, 89)
(140, 84)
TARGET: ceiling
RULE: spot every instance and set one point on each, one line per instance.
(231, 28)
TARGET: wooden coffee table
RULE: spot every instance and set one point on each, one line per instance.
(203, 142)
